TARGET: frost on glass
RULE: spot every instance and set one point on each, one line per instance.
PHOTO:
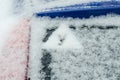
(75, 49)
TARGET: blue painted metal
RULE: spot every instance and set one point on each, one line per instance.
(84, 10)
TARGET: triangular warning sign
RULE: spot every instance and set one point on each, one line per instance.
(63, 37)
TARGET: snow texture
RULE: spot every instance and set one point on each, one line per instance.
(63, 36)
(75, 49)
(3, 14)
(14, 38)
(60, 49)
(7, 19)
(14, 53)
(40, 5)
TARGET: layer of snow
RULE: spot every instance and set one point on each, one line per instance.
(38, 5)
(14, 33)
(94, 51)
(13, 56)
(63, 33)
(5, 7)
(7, 20)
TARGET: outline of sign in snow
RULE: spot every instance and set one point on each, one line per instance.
(63, 38)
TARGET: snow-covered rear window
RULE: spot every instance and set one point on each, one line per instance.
(75, 49)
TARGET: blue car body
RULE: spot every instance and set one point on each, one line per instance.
(84, 10)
